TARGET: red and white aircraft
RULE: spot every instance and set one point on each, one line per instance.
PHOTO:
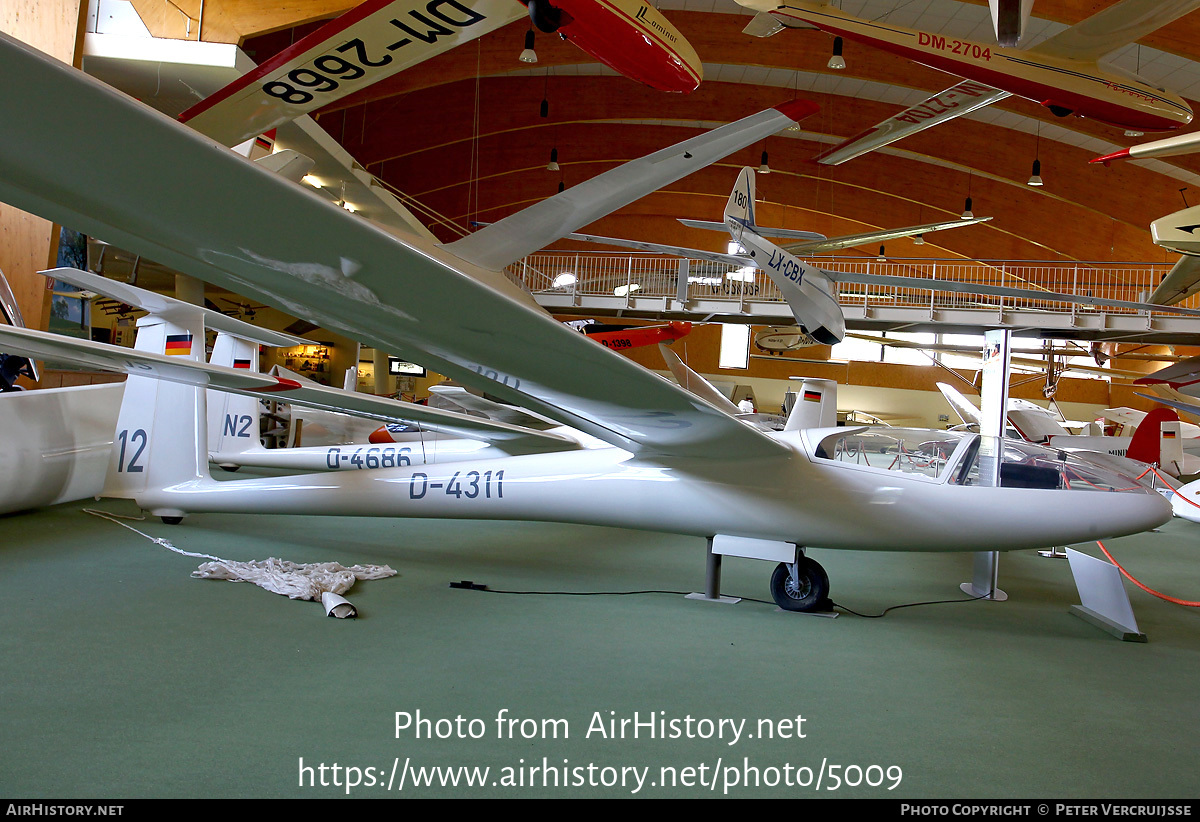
(382, 37)
(1061, 73)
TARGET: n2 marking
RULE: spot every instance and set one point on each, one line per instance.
(139, 438)
(231, 425)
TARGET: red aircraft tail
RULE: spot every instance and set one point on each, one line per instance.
(1147, 439)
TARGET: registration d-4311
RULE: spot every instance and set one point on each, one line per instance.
(462, 485)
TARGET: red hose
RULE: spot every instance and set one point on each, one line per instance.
(1150, 591)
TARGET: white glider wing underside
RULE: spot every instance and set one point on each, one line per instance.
(266, 238)
(1181, 282)
(172, 309)
(764, 231)
(659, 248)
(504, 242)
(1115, 26)
(956, 101)
(931, 284)
(881, 236)
(116, 359)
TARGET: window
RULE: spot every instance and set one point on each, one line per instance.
(735, 346)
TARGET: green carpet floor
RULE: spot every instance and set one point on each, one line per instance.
(123, 677)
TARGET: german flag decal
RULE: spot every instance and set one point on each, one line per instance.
(812, 396)
(241, 364)
(1168, 435)
(179, 344)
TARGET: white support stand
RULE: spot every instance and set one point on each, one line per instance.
(993, 418)
(1105, 602)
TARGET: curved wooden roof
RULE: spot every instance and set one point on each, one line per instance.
(463, 134)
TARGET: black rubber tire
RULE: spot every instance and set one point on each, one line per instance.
(812, 593)
(171, 520)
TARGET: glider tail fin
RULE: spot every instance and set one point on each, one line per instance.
(162, 427)
(233, 419)
(815, 407)
(739, 208)
(1152, 434)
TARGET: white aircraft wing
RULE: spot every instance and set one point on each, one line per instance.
(172, 309)
(966, 410)
(1123, 415)
(778, 233)
(267, 239)
(1116, 26)
(956, 101)
(881, 236)
(1181, 374)
(365, 45)
(659, 248)
(691, 381)
(930, 284)
(116, 359)
(474, 404)
(505, 241)
(1192, 408)
(1181, 282)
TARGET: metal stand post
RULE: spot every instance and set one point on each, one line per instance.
(712, 580)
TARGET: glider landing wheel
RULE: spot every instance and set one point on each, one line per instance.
(807, 590)
(171, 520)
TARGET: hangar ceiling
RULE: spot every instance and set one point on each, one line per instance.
(463, 132)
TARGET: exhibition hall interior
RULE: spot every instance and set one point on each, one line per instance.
(601, 398)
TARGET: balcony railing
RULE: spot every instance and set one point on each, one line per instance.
(636, 275)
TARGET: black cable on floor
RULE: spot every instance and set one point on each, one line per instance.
(884, 612)
(467, 584)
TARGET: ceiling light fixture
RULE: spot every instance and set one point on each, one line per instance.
(1036, 178)
(919, 239)
(528, 55)
(553, 166)
(837, 62)
(967, 213)
(763, 168)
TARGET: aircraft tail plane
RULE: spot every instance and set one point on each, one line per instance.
(162, 427)
(739, 208)
(816, 405)
(233, 419)
(1158, 441)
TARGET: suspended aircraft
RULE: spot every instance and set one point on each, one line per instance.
(776, 340)
(379, 38)
(674, 463)
(810, 291)
(1061, 73)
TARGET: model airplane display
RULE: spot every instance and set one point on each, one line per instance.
(674, 463)
(1061, 73)
(382, 37)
